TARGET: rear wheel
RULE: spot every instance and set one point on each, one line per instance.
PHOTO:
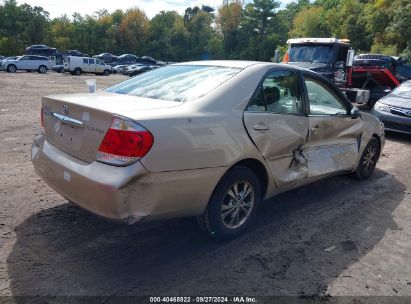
(11, 68)
(233, 204)
(42, 69)
(368, 160)
(77, 71)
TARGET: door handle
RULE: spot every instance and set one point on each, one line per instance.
(261, 127)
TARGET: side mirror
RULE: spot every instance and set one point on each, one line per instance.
(355, 113)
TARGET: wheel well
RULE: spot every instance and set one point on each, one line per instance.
(259, 170)
(378, 139)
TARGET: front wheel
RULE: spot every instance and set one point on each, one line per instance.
(106, 72)
(368, 160)
(42, 69)
(233, 204)
(11, 68)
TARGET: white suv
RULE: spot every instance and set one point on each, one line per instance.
(29, 63)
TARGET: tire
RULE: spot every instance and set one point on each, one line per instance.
(42, 69)
(368, 160)
(77, 71)
(11, 68)
(229, 213)
(106, 72)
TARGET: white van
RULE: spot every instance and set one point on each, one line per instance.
(77, 65)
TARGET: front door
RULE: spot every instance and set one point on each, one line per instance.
(91, 65)
(334, 136)
(275, 121)
(24, 63)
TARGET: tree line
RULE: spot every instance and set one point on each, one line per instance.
(234, 30)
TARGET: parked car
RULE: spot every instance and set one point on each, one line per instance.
(59, 68)
(42, 50)
(106, 57)
(28, 63)
(394, 110)
(120, 68)
(139, 69)
(76, 53)
(127, 59)
(147, 60)
(210, 139)
(1, 60)
(78, 65)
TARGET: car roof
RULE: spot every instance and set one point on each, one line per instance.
(242, 64)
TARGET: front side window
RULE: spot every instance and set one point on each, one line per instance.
(176, 83)
(322, 101)
(279, 94)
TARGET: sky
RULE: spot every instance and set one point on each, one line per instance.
(56, 8)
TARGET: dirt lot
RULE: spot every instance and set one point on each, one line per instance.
(337, 237)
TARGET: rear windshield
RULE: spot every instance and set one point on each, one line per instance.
(176, 83)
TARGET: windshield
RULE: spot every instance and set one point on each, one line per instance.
(404, 90)
(311, 53)
(176, 83)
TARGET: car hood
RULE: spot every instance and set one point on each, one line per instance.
(396, 101)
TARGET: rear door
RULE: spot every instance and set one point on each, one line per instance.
(85, 65)
(334, 136)
(275, 122)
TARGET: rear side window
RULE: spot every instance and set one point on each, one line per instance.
(85, 60)
(176, 83)
(279, 93)
(91, 61)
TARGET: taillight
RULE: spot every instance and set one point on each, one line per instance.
(124, 143)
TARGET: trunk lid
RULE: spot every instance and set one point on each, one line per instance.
(77, 123)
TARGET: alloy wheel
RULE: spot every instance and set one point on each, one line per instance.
(369, 159)
(237, 204)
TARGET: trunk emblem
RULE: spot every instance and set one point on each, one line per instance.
(65, 109)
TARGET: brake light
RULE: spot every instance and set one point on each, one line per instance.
(124, 143)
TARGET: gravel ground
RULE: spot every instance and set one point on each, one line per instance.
(336, 237)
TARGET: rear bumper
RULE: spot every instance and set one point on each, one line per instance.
(124, 193)
(393, 122)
